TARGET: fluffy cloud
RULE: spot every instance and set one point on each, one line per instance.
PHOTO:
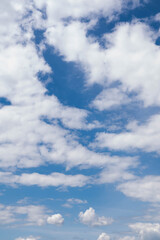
(129, 47)
(111, 97)
(54, 179)
(6, 215)
(27, 140)
(90, 218)
(147, 231)
(118, 171)
(62, 9)
(56, 219)
(131, 51)
(103, 236)
(28, 215)
(144, 189)
(145, 137)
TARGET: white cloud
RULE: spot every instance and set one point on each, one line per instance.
(73, 201)
(103, 236)
(29, 215)
(54, 179)
(131, 53)
(78, 47)
(145, 137)
(28, 238)
(108, 98)
(90, 218)
(26, 141)
(118, 171)
(144, 189)
(157, 17)
(147, 231)
(76, 201)
(6, 215)
(62, 9)
(56, 219)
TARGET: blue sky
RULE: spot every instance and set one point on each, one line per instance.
(79, 120)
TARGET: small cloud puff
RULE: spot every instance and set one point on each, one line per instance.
(56, 219)
(89, 217)
(103, 236)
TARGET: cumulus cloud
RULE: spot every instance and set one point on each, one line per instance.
(56, 219)
(103, 236)
(90, 218)
(147, 231)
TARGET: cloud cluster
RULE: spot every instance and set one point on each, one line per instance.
(62, 9)
(141, 231)
(147, 231)
(36, 129)
(33, 136)
(90, 218)
(129, 52)
(28, 215)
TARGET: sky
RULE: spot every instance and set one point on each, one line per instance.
(80, 120)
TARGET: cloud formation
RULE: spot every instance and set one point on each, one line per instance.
(56, 219)
(137, 136)
(29, 215)
(90, 218)
(144, 189)
(55, 179)
(103, 236)
(147, 231)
